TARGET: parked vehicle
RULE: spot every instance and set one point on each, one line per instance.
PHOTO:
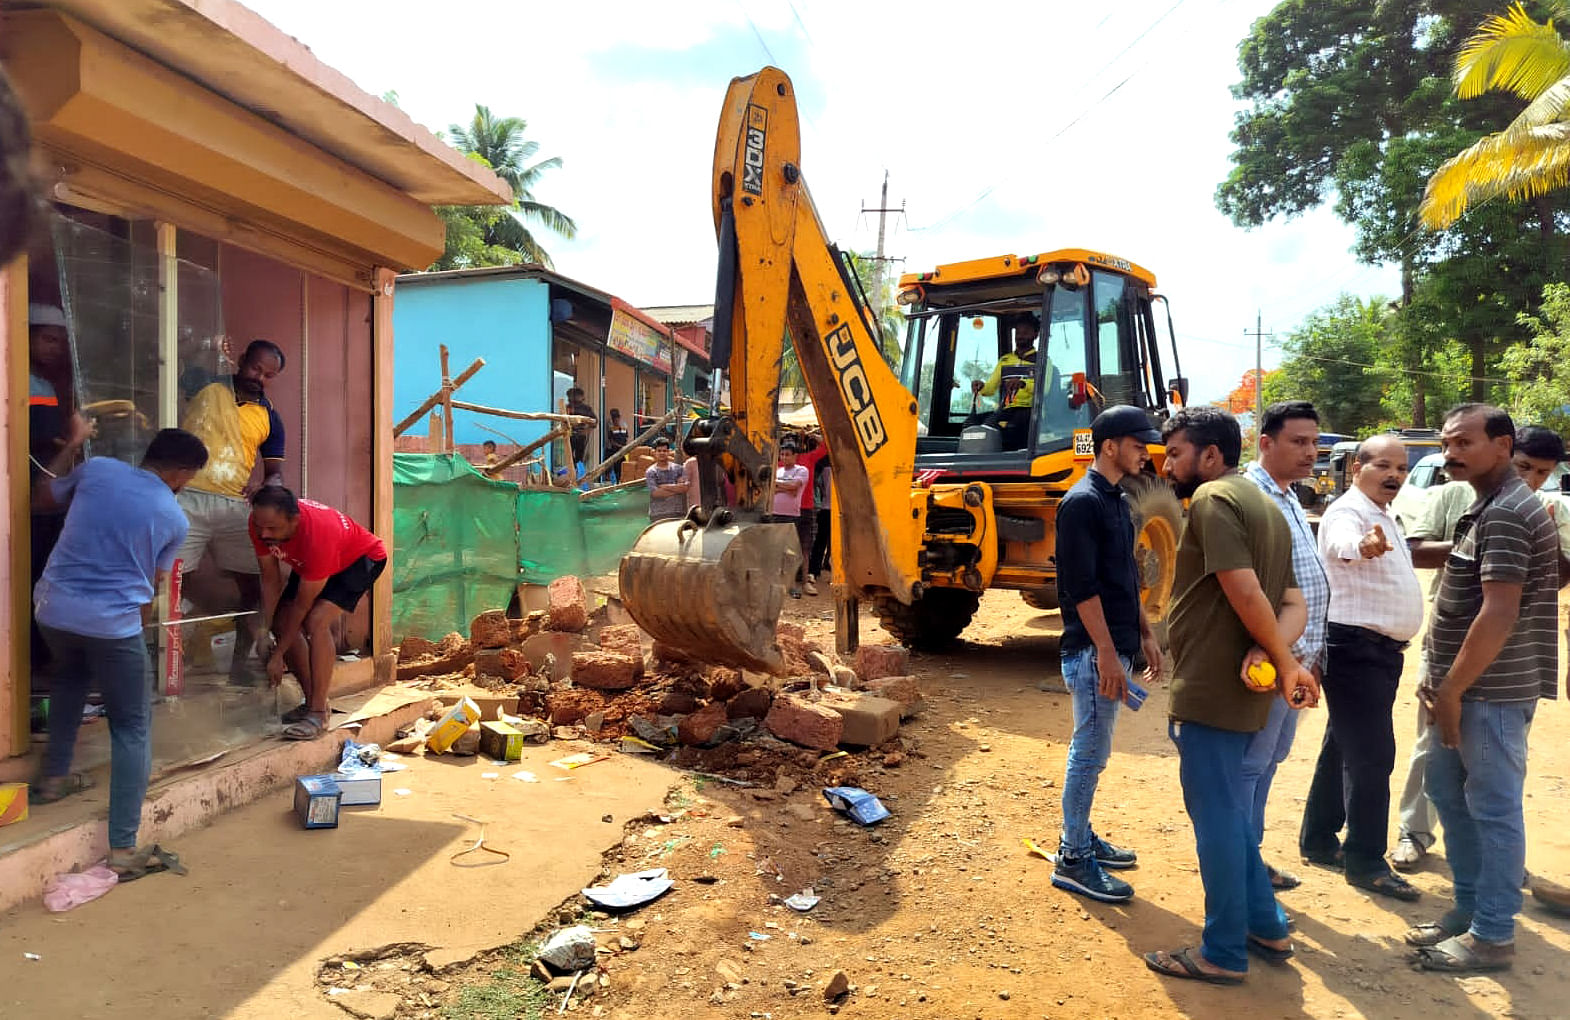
(1425, 478)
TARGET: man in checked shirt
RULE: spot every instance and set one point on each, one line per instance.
(1376, 606)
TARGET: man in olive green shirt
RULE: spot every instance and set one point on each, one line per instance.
(1235, 604)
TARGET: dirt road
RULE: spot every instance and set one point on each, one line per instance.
(940, 913)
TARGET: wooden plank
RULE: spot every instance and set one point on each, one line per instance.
(500, 412)
(446, 398)
(642, 437)
(382, 466)
(16, 618)
(436, 398)
(517, 455)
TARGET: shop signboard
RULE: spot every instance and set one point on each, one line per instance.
(637, 339)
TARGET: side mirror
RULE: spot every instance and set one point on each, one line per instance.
(1177, 391)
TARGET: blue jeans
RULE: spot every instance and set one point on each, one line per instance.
(1266, 750)
(1477, 791)
(118, 669)
(1088, 751)
(1238, 898)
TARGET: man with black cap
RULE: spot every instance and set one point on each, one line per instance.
(1104, 626)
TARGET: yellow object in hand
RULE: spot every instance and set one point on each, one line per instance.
(1262, 676)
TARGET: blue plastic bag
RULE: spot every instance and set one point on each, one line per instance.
(859, 805)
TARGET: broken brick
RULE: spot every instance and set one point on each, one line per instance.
(491, 629)
(802, 722)
(505, 663)
(752, 703)
(625, 638)
(698, 729)
(571, 705)
(569, 605)
(724, 683)
(606, 671)
(875, 661)
(901, 689)
(415, 647)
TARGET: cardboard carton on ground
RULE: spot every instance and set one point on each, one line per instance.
(316, 800)
(501, 741)
(13, 803)
(360, 787)
(491, 706)
(453, 725)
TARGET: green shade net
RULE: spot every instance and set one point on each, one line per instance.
(455, 544)
(462, 542)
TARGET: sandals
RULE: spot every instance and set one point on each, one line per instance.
(1282, 880)
(296, 713)
(143, 861)
(50, 789)
(1463, 954)
(1269, 953)
(1326, 859)
(1189, 970)
(1432, 933)
(308, 727)
(1387, 883)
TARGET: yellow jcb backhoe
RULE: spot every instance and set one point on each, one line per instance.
(945, 480)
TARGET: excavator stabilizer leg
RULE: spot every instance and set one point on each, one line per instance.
(713, 591)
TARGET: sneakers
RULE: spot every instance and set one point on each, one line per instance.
(1109, 856)
(1086, 877)
(811, 587)
(1408, 854)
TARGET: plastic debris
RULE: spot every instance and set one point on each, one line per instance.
(403, 791)
(569, 949)
(526, 776)
(859, 805)
(579, 760)
(633, 890)
(803, 901)
(489, 775)
(74, 888)
(634, 745)
(357, 757)
(758, 936)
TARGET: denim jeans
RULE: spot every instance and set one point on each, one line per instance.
(1088, 751)
(118, 669)
(1267, 749)
(1477, 790)
(1239, 901)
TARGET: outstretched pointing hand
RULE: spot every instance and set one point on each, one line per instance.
(1374, 544)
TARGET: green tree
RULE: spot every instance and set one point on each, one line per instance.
(1542, 364)
(890, 329)
(500, 144)
(1337, 360)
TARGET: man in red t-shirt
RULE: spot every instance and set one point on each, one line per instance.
(333, 562)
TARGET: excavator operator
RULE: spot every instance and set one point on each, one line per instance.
(1013, 382)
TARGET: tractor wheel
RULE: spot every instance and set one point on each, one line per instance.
(932, 622)
(1158, 521)
(1045, 599)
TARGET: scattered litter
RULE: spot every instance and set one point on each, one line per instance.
(569, 949)
(478, 847)
(632, 890)
(403, 791)
(716, 850)
(356, 757)
(31, 956)
(579, 760)
(802, 901)
(74, 888)
(316, 801)
(859, 805)
(489, 775)
(526, 776)
(350, 965)
(758, 936)
(656, 733)
(339, 991)
(766, 866)
(832, 755)
(1036, 851)
(633, 745)
(959, 676)
(568, 997)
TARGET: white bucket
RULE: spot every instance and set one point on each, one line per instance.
(223, 651)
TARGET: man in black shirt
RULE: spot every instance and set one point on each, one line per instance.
(1104, 625)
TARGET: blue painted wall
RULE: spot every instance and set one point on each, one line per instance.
(504, 320)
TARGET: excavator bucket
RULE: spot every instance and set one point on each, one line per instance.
(714, 592)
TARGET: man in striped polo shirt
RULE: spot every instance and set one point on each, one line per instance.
(1492, 651)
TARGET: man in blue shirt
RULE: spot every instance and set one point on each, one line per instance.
(122, 530)
(1104, 626)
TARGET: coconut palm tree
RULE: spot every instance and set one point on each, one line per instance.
(500, 142)
(1531, 157)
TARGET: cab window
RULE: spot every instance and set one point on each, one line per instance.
(1062, 366)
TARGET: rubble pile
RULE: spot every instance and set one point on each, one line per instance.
(578, 671)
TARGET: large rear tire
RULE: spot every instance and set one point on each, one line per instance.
(932, 622)
(1158, 522)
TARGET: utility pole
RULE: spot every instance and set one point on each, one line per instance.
(877, 280)
(1259, 335)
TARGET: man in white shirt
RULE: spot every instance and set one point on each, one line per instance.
(1376, 607)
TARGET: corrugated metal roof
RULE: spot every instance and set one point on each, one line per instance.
(680, 315)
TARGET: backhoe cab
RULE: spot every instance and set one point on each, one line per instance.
(946, 477)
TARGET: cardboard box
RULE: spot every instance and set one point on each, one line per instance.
(13, 803)
(501, 741)
(453, 725)
(362, 786)
(316, 800)
(491, 706)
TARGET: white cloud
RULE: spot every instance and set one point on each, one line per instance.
(955, 101)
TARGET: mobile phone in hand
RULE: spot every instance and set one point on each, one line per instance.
(1135, 695)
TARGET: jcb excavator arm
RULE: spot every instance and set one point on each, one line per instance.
(778, 272)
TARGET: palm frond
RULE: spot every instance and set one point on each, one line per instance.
(1510, 51)
(1552, 105)
(556, 220)
(1516, 165)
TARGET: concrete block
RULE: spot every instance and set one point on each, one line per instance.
(866, 720)
(569, 605)
(802, 722)
(491, 629)
(874, 661)
(901, 689)
(605, 671)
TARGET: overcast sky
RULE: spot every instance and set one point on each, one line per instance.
(1004, 127)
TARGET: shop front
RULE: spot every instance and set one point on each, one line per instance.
(209, 184)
